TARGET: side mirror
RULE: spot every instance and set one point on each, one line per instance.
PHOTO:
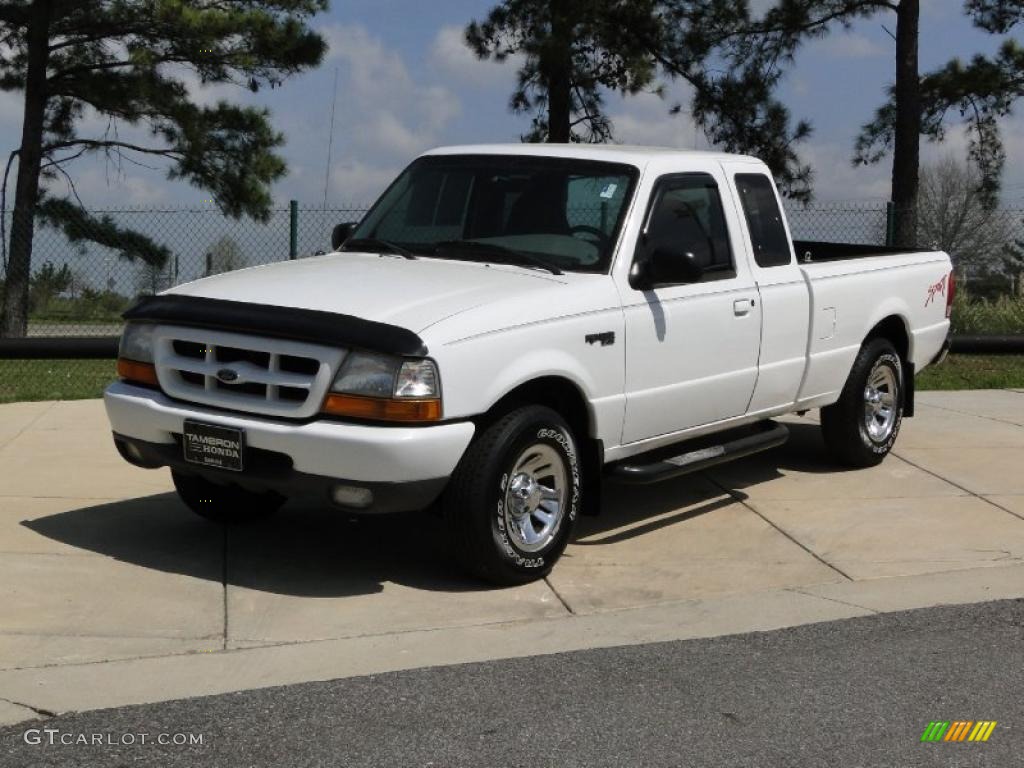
(666, 267)
(341, 233)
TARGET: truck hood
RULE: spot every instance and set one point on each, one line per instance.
(412, 294)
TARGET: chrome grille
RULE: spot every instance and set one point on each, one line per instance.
(244, 373)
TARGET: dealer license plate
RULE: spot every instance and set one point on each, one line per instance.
(213, 446)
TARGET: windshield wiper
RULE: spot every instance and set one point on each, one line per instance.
(376, 244)
(504, 253)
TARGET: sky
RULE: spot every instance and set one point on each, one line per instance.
(406, 83)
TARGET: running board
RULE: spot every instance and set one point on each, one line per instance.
(767, 435)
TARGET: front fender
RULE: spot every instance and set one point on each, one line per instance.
(477, 373)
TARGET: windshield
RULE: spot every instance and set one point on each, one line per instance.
(560, 213)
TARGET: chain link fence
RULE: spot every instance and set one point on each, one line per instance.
(80, 288)
(987, 247)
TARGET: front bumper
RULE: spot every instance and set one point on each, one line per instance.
(270, 471)
(297, 459)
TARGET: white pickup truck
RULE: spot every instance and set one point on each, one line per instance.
(507, 325)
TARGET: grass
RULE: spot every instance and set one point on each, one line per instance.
(79, 379)
(1002, 315)
(974, 372)
(53, 379)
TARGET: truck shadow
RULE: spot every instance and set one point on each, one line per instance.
(630, 511)
(320, 552)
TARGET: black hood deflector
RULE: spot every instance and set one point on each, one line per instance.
(315, 326)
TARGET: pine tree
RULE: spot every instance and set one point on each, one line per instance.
(129, 61)
(919, 105)
(574, 51)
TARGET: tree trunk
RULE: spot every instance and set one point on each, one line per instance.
(15, 314)
(906, 154)
(558, 73)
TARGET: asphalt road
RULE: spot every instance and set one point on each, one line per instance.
(849, 693)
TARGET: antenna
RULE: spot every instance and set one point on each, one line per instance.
(330, 139)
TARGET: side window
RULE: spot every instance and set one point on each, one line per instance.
(687, 217)
(764, 220)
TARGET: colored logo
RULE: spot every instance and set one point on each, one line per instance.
(939, 289)
(227, 375)
(958, 730)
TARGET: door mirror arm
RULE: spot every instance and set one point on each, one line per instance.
(341, 233)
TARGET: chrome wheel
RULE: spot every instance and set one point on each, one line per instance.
(880, 402)
(535, 497)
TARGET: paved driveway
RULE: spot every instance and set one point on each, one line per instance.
(112, 593)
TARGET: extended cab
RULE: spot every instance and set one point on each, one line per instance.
(509, 323)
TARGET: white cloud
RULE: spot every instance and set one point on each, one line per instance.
(358, 184)
(208, 94)
(837, 179)
(12, 105)
(389, 132)
(850, 46)
(644, 119)
(957, 141)
(386, 115)
(453, 59)
(941, 9)
(105, 185)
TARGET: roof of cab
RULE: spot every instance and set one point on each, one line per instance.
(620, 153)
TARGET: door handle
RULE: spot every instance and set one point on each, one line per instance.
(742, 307)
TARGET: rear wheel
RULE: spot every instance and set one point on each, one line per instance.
(512, 501)
(861, 427)
(224, 503)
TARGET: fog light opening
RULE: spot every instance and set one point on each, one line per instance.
(352, 496)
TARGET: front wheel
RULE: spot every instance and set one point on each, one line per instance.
(225, 504)
(861, 428)
(512, 501)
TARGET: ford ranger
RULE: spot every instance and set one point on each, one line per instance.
(509, 324)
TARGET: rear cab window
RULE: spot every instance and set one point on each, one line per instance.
(764, 220)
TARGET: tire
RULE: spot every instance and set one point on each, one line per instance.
(510, 505)
(861, 428)
(226, 504)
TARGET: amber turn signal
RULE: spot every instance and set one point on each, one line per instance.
(382, 408)
(136, 372)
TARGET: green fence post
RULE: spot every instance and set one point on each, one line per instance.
(293, 230)
(890, 224)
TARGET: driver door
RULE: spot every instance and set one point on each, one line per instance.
(691, 349)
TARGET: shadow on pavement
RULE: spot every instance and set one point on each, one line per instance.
(320, 552)
(805, 451)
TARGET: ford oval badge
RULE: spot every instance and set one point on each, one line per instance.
(227, 375)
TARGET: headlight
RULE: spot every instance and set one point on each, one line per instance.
(135, 355)
(137, 342)
(366, 374)
(385, 388)
(371, 375)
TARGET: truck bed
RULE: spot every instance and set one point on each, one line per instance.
(817, 251)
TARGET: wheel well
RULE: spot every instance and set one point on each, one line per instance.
(895, 330)
(559, 394)
(565, 398)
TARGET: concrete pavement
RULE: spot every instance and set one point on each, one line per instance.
(112, 593)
